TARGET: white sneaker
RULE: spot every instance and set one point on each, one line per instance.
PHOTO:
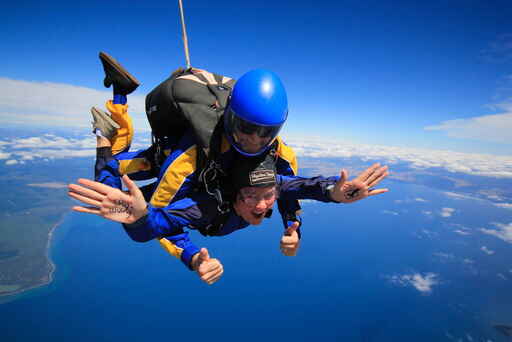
(104, 122)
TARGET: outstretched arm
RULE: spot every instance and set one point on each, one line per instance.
(360, 187)
(130, 208)
(327, 190)
(334, 189)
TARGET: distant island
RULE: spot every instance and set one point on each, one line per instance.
(34, 202)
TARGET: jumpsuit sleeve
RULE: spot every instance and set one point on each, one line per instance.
(314, 188)
(167, 226)
(110, 168)
(287, 166)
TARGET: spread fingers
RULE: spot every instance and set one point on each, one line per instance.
(84, 199)
(86, 192)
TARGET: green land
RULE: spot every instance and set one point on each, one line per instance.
(34, 202)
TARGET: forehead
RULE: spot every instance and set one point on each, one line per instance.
(256, 190)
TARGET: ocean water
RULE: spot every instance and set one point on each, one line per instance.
(339, 287)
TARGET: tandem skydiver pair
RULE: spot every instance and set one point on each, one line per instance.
(257, 168)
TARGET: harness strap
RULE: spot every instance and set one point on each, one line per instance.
(214, 228)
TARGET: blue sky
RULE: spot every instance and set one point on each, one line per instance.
(361, 72)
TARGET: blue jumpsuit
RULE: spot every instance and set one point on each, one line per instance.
(200, 210)
(177, 179)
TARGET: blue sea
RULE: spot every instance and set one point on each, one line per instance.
(339, 288)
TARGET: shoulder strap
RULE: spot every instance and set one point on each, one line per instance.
(211, 172)
(214, 228)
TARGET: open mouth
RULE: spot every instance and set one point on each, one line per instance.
(258, 215)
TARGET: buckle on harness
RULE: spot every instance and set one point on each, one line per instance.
(223, 206)
(213, 169)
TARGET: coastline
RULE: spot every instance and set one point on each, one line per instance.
(53, 267)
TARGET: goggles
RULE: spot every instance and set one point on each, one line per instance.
(236, 127)
(250, 198)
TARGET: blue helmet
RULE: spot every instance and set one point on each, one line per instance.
(257, 110)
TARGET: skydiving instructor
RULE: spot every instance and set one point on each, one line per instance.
(249, 127)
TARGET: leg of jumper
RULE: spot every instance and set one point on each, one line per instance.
(123, 83)
(122, 140)
(103, 156)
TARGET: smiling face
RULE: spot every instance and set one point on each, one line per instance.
(252, 203)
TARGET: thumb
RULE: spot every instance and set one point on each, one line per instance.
(204, 255)
(129, 183)
(343, 177)
(292, 228)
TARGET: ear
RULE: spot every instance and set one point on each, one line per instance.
(237, 203)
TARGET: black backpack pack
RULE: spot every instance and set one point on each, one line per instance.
(189, 99)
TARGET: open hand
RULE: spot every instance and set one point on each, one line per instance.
(360, 187)
(209, 269)
(290, 240)
(109, 202)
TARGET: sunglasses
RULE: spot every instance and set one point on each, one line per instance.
(251, 199)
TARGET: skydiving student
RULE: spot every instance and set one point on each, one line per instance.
(254, 187)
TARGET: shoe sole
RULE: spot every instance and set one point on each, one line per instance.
(115, 64)
(104, 116)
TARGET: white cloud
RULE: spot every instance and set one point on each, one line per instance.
(491, 195)
(502, 276)
(503, 232)
(49, 147)
(460, 229)
(4, 155)
(444, 256)
(58, 104)
(468, 261)
(487, 250)
(51, 185)
(422, 283)
(11, 162)
(420, 159)
(426, 212)
(459, 196)
(425, 233)
(408, 200)
(389, 212)
(504, 205)
(493, 128)
(447, 212)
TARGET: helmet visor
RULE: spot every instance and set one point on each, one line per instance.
(247, 137)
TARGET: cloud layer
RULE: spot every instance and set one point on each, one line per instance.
(50, 146)
(468, 163)
(40, 103)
